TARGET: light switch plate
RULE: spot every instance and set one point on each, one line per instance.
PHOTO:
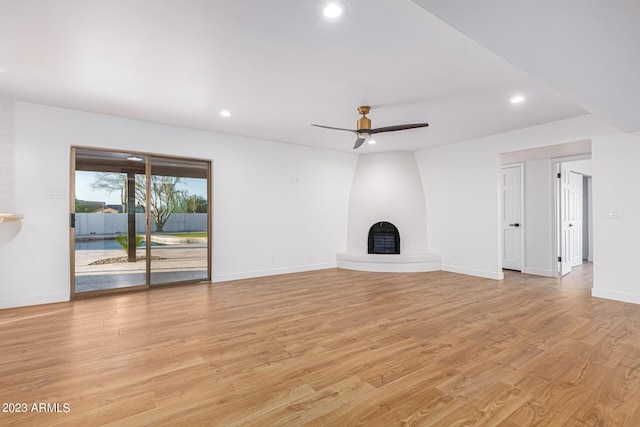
(55, 193)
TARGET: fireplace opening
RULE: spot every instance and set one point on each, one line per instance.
(384, 238)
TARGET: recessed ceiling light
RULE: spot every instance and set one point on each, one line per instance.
(517, 99)
(371, 141)
(332, 10)
(225, 113)
(135, 158)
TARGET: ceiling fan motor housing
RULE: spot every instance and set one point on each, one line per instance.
(364, 122)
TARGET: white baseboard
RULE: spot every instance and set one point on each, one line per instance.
(34, 300)
(539, 272)
(616, 295)
(471, 272)
(271, 272)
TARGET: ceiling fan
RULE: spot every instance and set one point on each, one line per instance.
(364, 127)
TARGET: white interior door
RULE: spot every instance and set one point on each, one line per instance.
(512, 217)
(570, 220)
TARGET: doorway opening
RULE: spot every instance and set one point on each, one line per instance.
(574, 222)
(137, 220)
(540, 209)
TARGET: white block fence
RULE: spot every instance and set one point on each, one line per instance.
(116, 223)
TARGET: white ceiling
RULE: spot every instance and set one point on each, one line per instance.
(587, 49)
(277, 66)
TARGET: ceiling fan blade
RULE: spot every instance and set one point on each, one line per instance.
(329, 127)
(398, 127)
(358, 143)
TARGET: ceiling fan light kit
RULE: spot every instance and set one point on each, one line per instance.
(364, 130)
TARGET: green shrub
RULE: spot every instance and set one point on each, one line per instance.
(123, 240)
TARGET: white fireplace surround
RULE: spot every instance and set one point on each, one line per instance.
(387, 187)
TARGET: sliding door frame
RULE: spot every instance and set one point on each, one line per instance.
(148, 221)
(72, 228)
(150, 157)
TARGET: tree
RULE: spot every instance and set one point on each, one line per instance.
(165, 194)
(164, 198)
(192, 203)
(112, 181)
(82, 206)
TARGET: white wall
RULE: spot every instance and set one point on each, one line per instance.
(616, 236)
(7, 133)
(587, 215)
(461, 183)
(580, 166)
(276, 207)
(555, 151)
(539, 214)
(387, 187)
(262, 188)
(538, 218)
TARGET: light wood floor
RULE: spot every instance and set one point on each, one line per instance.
(330, 348)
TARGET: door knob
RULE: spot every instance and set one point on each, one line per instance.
(570, 225)
(515, 224)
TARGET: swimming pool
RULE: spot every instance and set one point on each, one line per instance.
(103, 245)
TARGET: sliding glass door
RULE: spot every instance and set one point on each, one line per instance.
(179, 208)
(137, 220)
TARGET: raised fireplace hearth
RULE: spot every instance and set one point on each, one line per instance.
(389, 263)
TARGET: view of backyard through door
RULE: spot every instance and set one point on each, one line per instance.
(138, 220)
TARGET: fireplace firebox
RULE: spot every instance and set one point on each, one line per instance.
(384, 238)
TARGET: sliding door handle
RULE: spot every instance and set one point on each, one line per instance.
(515, 224)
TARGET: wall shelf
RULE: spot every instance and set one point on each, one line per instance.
(9, 217)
